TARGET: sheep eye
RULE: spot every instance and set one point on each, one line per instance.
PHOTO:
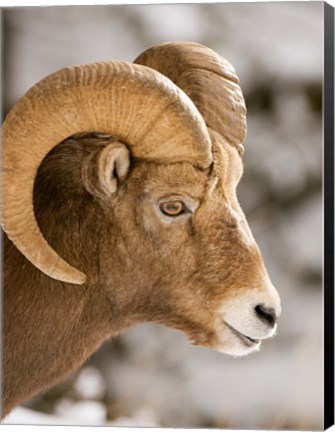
(173, 208)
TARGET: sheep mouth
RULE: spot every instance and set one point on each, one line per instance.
(246, 340)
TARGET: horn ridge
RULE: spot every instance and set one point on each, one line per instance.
(208, 79)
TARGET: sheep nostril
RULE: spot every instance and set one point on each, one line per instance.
(266, 314)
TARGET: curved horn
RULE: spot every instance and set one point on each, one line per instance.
(208, 79)
(137, 104)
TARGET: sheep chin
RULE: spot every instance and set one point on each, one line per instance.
(230, 343)
(238, 349)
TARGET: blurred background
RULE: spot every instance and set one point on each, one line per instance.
(151, 375)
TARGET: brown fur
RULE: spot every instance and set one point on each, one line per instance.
(138, 269)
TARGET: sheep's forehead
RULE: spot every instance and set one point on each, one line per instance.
(183, 177)
(175, 178)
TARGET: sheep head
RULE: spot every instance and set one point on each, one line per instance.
(176, 248)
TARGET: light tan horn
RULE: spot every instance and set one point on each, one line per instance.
(208, 79)
(137, 104)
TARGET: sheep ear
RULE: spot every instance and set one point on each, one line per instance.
(113, 166)
(104, 171)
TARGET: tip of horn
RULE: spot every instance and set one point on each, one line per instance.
(76, 278)
(80, 279)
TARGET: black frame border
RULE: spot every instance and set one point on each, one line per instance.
(328, 105)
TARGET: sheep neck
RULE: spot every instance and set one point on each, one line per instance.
(41, 312)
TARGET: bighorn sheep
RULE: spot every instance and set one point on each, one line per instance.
(119, 207)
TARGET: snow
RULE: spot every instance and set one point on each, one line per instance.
(90, 384)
